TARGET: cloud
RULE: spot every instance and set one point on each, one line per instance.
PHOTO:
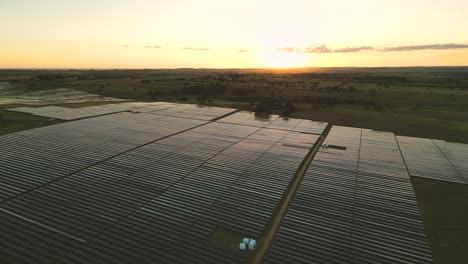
(195, 49)
(353, 49)
(317, 49)
(311, 49)
(153, 47)
(243, 50)
(426, 47)
(325, 49)
(288, 49)
(125, 45)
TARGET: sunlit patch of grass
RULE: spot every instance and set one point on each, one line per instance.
(225, 238)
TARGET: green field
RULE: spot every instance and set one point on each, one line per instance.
(422, 102)
(12, 121)
(444, 208)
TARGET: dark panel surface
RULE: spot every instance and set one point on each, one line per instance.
(354, 206)
(133, 187)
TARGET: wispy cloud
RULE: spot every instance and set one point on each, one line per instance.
(311, 49)
(325, 49)
(426, 47)
(195, 49)
(317, 49)
(243, 50)
(153, 47)
(353, 49)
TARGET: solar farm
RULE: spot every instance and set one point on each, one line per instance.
(174, 183)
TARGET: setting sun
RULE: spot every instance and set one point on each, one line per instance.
(227, 34)
(208, 131)
(282, 59)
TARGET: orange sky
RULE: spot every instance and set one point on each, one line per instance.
(230, 34)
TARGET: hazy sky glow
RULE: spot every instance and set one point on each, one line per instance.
(230, 34)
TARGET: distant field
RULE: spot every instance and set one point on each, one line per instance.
(422, 102)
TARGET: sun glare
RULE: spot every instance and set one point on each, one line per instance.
(282, 59)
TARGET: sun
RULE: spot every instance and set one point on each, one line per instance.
(282, 59)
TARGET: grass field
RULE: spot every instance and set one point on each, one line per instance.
(12, 121)
(444, 207)
(422, 102)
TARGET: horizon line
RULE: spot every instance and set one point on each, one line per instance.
(234, 68)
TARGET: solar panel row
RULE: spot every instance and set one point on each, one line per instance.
(14, 95)
(354, 206)
(163, 108)
(274, 121)
(435, 159)
(457, 154)
(387, 225)
(317, 226)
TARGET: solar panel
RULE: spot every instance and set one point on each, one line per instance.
(161, 108)
(275, 121)
(457, 154)
(353, 206)
(387, 225)
(425, 159)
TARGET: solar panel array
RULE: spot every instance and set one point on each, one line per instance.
(15, 94)
(36, 157)
(387, 221)
(275, 121)
(316, 226)
(457, 154)
(152, 182)
(145, 187)
(162, 108)
(353, 206)
(435, 159)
